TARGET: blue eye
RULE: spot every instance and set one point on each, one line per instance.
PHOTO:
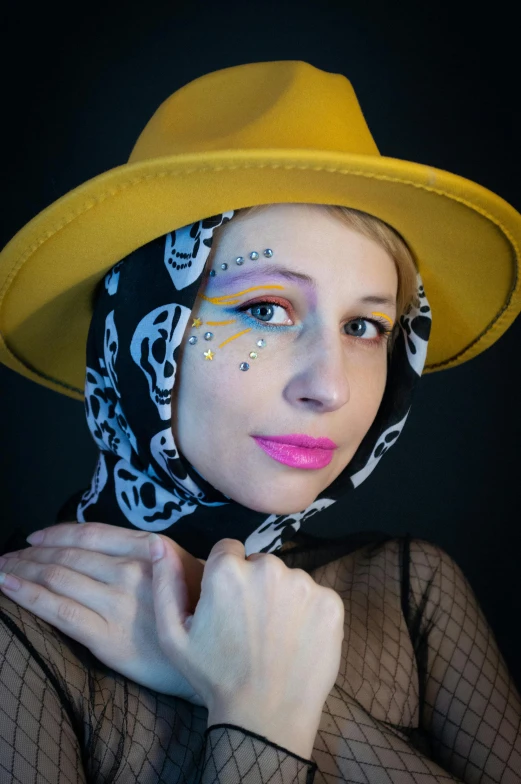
(269, 313)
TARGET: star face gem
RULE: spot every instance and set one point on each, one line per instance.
(208, 354)
(196, 322)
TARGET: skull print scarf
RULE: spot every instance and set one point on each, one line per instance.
(141, 480)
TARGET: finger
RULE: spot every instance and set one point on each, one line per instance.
(170, 596)
(104, 568)
(62, 582)
(97, 537)
(70, 617)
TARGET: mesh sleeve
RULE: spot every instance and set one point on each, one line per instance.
(470, 710)
(65, 718)
(234, 755)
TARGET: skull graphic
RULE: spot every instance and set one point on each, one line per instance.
(187, 248)
(268, 537)
(155, 339)
(145, 503)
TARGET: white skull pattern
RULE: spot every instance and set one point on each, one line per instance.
(185, 255)
(145, 503)
(105, 419)
(155, 339)
(99, 480)
(269, 533)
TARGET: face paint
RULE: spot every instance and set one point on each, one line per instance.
(391, 322)
(232, 299)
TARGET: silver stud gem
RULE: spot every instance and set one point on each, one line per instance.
(268, 253)
(254, 255)
(224, 265)
(244, 366)
(239, 260)
(193, 340)
(208, 335)
(253, 355)
(261, 343)
(212, 273)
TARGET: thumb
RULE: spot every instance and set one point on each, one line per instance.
(170, 593)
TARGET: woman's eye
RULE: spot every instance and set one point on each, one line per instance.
(269, 312)
(359, 328)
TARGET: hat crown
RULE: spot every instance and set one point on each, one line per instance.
(283, 104)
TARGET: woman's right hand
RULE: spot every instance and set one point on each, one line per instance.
(263, 646)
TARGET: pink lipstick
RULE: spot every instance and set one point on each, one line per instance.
(298, 451)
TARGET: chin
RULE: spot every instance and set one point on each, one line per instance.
(279, 503)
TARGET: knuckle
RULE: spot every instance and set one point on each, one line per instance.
(87, 535)
(67, 556)
(333, 605)
(70, 613)
(54, 576)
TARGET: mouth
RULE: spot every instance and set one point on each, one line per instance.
(298, 451)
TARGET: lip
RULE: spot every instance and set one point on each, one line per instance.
(298, 451)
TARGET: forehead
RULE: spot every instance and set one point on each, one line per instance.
(308, 241)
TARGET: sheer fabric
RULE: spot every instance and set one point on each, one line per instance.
(422, 695)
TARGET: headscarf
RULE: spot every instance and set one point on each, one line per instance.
(141, 480)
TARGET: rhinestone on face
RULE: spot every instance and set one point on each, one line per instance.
(208, 335)
(224, 265)
(253, 355)
(192, 340)
(212, 273)
(254, 255)
(239, 260)
(244, 366)
(268, 253)
(261, 343)
(208, 354)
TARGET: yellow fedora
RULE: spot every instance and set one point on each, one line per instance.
(258, 133)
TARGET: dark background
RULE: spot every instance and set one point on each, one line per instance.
(438, 85)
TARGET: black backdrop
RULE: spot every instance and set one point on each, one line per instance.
(438, 84)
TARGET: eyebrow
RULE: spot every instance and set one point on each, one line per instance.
(274, 271)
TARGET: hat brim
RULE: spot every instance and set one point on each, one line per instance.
(465, 240)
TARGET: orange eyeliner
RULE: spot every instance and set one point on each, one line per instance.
(220, 323)
(232, 299)
(391, 322)
(235, 336)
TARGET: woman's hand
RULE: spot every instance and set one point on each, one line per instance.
(93, 582)
(262, 649)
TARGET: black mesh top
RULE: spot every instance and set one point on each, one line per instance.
(423, 694)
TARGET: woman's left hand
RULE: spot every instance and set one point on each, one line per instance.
(93, 582)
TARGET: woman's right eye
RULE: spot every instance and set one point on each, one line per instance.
(269, 312)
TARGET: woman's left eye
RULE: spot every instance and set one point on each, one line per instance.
(269, 312)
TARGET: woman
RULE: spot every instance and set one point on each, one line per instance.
(236, 388)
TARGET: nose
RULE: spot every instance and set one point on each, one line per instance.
(320, 381)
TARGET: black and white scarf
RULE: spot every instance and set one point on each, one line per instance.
(141, 479)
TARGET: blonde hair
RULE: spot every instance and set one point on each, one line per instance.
(387, 238)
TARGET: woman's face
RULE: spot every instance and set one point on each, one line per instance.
(320, 370)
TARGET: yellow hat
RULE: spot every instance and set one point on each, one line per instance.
(259, 133)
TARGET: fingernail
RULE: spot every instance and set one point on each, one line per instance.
(35, 538)
(9, 581)
(157, 548)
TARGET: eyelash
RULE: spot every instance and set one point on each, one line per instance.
(379, 323)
